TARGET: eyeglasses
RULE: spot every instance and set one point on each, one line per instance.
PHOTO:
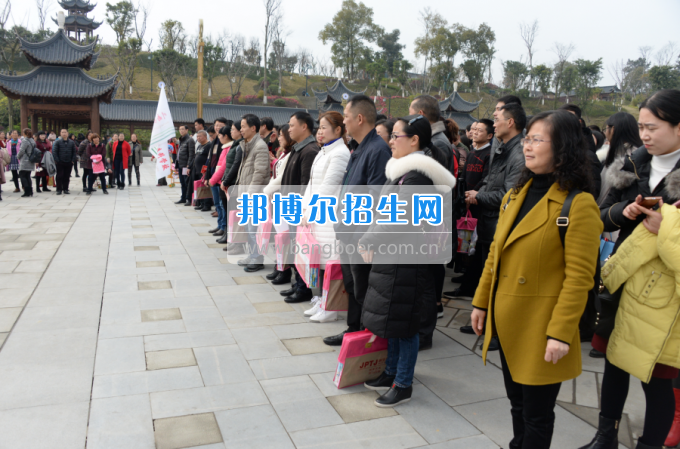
(415, 119)
(395, 136)
(531, 142)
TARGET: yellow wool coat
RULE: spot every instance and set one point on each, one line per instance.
(542, 286)
(647, 330)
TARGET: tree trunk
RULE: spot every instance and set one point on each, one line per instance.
(280, 80)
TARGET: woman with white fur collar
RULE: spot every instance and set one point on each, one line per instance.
(398, 291)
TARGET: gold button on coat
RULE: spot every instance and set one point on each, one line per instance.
(521, 280)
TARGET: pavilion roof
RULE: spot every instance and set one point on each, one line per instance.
(59, 50)
(79, 4)
(80, 21)
(455, 103)
(59, 82)
(334, 94)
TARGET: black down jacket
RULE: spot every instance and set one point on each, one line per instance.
(397, 291)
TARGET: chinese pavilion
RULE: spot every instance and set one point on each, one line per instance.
(454, 107)
(331, 99)
(58, 91)
(76, 22)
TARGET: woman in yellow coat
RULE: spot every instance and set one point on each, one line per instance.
(534, 289)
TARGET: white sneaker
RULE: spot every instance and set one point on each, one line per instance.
(324, 316)
(314, 310)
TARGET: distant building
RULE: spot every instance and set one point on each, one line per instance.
(77, 25)
(608, 93)
(456, 108)
(331, 99)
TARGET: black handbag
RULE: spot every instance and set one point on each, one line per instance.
(607, 305)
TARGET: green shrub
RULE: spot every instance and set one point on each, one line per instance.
(260, 94)
(280, 102)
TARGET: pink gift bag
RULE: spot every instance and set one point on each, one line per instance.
(334, 296)
(362, 358)
(264, 232)
(307, 256)
(466, 227)
(97, 164)
(282, 246)
(236, 233)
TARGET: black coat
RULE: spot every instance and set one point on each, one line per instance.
(397, 291)
(64, 151)
(631, 180)
(186, 152)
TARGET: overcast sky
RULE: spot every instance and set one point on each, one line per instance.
(611, 29)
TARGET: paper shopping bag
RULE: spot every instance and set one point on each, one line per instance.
(466, 227)
(282, 247)
(307, 256)
(50, 181)
(334, 296)
(202, 192)
(236, 233)
(362, 358)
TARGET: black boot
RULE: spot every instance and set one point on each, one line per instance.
(282, 278)
(607, 436)
(223, 239)
(384, 381)
(394, 396)
(271, 276)
(646, 446)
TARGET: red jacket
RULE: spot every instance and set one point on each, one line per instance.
(126, 152)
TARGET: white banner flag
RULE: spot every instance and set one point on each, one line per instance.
(163, 130)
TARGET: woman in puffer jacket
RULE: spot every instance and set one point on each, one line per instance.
(326, 175)
(651, 171)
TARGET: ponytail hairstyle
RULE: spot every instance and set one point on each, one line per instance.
(417, 125)
(337, 121)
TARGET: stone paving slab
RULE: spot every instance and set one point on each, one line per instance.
(88, 362)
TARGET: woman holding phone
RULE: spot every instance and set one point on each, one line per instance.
(651, 173)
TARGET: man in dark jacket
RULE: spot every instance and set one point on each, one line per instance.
(185, 160)
(366, 167)
(297, 174)
(85, 163)
(428, 107)
(504, 171)
(442, 152)
(65, 153)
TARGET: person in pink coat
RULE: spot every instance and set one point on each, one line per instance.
(216, 179)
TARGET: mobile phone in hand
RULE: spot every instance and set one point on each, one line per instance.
(650, 201)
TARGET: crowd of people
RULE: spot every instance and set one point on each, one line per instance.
(548, 193)
(60, 156)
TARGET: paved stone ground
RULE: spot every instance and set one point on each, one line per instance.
(124, 326)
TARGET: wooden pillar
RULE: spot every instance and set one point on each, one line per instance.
(94, 116)
(34, 123)
(24, 114)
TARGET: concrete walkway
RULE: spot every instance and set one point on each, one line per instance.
(124, 326)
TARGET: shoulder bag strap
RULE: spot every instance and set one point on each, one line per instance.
(563, 219)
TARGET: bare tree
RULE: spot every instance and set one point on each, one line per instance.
(667, 54)
(279, 36)
(271, 10)
(43, 12)
(646, 52)
(528, 32)
(563, 53)
(235, 65)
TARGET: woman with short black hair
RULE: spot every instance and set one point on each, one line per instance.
(535, 282)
